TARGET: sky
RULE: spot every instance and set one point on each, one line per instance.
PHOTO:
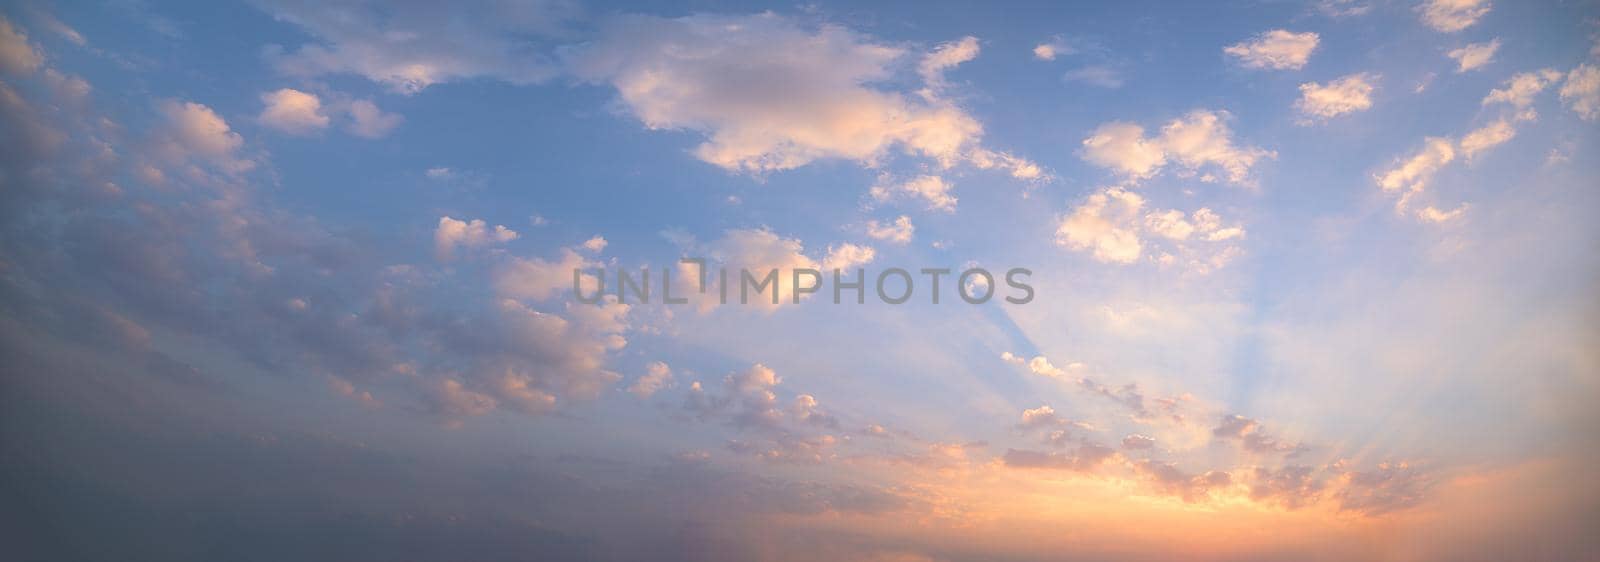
(295, 280)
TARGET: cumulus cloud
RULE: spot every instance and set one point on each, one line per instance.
(1348, 94)
(455, 233)
(898, 232)
(1197, 141)
(1277, 49)
(1136, 442)
(1112, 225)
(1581, 92)
(847, 256)
(193, 133)
(412, 45)
(656, 377)
(17, 55)
(1451, 16)
(1167, 478)
(1520, 89)
(1252, 437)
(1410, 176)
(1103, 225)
(1292, 487)
(367, 121)
(1392, 486)
(293, 112)
(1051, 49)
(773, 95)
(540, 279)
(933, 190)
(1474, 56)
(1489, 136)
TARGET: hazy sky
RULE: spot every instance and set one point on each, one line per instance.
(291, 280)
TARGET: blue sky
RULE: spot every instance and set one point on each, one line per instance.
(1312, 280)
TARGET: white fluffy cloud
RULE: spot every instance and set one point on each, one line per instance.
(1199, 140)
(1475, 55)
(1278, 49)
(1113, 226)
(1452, 15)
(897, 232)
(1105, 225)
(848, 256)
(1348, 94)
(453, 233)
(1582, 91)
(292, 111)
(772, 95)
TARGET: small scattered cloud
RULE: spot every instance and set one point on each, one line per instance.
(1475, 56)
(455, 233)
(898, 232)
(1278, 49)
(292, 111)
(1451, 16)
(1348, 94)
(1581, 92)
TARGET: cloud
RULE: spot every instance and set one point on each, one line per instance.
(772, 95)
(1111, 224)
(453, 233)
(945, 57)
(1277, 50)
(1086, 458)
(1200, 139)
(1055, 47)
(1252, 438)
(1138, 442)
(1474, 56)
(192, 132)
(1292, 487)
(540, 279)
(898, 232)
(1520, 89)
(847, 256)
(293, 112)
(1410, 176)
(368, 121)
(1168, 479)
(1041, 417)
(1451, 16)
(17, 55)
(1489, 136)
(1103, 224)
(1342, 8)
(1097, 75)
(1582, 91)
(933, 190)
(1392, 486)
(1348, 94)
(656, 377)
(413, 45)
